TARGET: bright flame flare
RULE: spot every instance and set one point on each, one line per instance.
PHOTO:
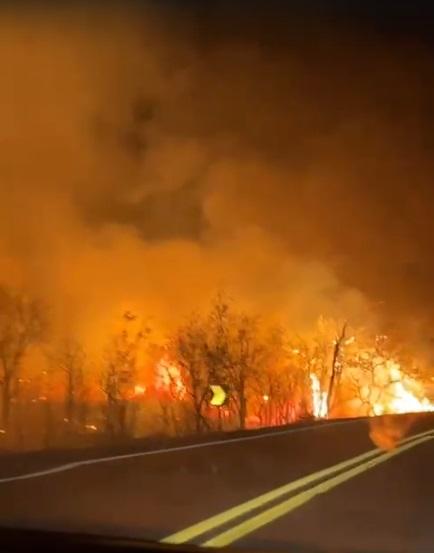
(139, 390)
(319, 398)
(169, 379)
(399, 398)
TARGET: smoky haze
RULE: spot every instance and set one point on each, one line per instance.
(151, 157)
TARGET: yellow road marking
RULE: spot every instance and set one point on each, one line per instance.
(273, 513)
(192, 532)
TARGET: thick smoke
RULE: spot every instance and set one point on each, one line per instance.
(147, 160)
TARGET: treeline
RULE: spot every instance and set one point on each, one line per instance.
(54, 392)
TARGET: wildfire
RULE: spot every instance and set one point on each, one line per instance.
(389, 391)
(139, 390)
(169, 379)
(402, 394)
(92, 427)
(319, 398)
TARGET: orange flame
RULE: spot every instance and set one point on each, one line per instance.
(402, 395)
(168, 379)
(319, 398)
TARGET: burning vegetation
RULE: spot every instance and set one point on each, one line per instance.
(151, 158)
(137, 385)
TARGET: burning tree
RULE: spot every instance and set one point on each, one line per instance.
(247, 363)
(188, 347)
(230, 349)
(336, 367)
(22, 324)
(311, 358)
(279, 386)
(324, 356)
(383, 380)
(119, 375)
(234, 353)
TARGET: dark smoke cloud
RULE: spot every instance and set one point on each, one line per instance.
(151, 156)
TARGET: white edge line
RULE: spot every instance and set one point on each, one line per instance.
(86, 462)
(76, 464)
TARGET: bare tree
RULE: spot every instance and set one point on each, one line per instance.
(70, 358)
(119, 374)
(308, 358)
(22, 324)
(234, 353)
(217, 346)
(188, 347)
(336, 368)
(248, 359)
(275, 385)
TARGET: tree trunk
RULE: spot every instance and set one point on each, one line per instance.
(110, 416)
(82, 413)
(19, 415)
(6, 402)
(49, 424)
(70, 411)
(70, 406)
(219, 420)
(243, 410)
(197, 404)
(122, 418)
(334, 375)
(197, 423)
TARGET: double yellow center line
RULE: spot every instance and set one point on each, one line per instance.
(310, 486)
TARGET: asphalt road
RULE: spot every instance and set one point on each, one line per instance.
(327, 486)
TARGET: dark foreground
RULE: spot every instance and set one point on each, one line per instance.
(381, 502)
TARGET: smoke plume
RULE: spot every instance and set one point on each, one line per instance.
(150, 157)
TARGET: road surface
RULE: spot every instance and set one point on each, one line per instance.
(327, 486)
